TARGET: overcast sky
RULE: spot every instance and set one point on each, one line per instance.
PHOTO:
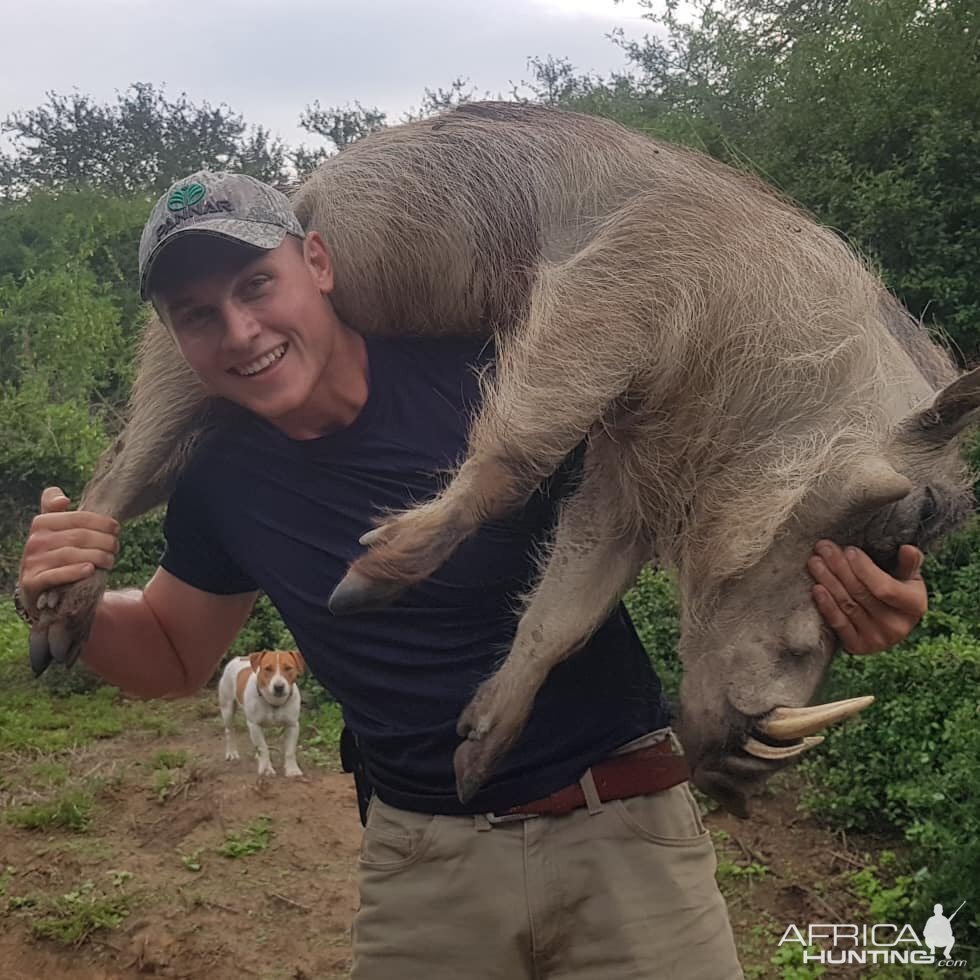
(268, 59)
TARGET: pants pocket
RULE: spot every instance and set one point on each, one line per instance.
(671, 817)
(395, 839)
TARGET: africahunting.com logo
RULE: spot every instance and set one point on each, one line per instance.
(839, 943)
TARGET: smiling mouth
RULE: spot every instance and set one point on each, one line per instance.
(261, 364)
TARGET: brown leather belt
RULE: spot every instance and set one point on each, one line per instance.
(619, 777)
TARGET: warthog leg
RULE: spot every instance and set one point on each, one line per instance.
(592, 561)
(554, 381)
(135, 474)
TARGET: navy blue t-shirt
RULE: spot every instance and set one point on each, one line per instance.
(256, 510)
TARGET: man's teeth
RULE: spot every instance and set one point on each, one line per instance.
(262, 362)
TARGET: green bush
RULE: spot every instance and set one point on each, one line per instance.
(264, 630)
(653, 607)
(141, 546)
(909, 766)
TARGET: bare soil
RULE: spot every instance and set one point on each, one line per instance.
(284, 912)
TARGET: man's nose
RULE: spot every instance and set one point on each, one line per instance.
(241, 328)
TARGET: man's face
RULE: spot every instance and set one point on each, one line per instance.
(256, 326)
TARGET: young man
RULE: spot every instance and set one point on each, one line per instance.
(334, 428)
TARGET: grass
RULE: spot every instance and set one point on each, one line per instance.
(70, 811)
(250, 840)
(192, 861)
(35, 717)
(169, 783)
(71, 919)
(49, 772)
(167, 759)
(321, 738)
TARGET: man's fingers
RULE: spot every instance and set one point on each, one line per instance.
(81, 537)
(63, 557)
(863, 581)
(867, 636)
(70, 520)
(908, 597)
(53, 499)
(909, 563)
(836, 619)
(65, 575)
(849, 595)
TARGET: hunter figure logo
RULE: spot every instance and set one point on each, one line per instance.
(185, 196)
(938, 933)
(837, 943)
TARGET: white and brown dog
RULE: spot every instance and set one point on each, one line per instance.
(264, 684)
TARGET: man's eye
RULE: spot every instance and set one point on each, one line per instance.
(196, 318)
(257, 283)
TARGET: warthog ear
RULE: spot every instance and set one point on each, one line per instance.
(951, 411)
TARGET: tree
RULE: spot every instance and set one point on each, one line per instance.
(142, 141)
(437, 100)
(863, 110)
(339, 125)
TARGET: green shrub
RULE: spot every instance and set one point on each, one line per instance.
(264, 630)
(140, 549)
(653, 607)
(910, 765)
(72, 811)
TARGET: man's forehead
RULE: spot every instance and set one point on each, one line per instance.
(189, 266)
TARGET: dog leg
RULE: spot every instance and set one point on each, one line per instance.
(289, 750)
(262, 748)
(227, 716)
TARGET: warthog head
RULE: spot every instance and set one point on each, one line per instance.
(756, 661)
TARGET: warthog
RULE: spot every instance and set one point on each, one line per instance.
(744, 385)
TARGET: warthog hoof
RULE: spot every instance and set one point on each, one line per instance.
(65, 616)
(405, 550)
(490, 723)
(356, 593)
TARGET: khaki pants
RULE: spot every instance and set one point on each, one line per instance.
(626, 892)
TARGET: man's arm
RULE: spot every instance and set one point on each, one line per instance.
(166, 640)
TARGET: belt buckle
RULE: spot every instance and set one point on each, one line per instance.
(509, 817)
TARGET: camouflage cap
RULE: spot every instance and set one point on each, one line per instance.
(232, 206)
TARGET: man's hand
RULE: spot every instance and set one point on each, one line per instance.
(64, 546)
(866, 607)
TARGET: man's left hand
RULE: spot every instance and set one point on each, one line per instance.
(866, 607)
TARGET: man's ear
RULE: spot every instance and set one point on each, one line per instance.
(316, 253)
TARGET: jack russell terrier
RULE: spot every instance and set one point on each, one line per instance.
(264, 684)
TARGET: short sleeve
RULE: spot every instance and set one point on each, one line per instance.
(193, 552)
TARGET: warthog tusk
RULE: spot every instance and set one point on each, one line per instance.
(762, 751)
(789, 723)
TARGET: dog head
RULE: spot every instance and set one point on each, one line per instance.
(275, 673)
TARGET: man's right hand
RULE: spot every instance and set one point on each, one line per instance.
(64, 546)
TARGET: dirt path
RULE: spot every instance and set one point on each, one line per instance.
(282, 911)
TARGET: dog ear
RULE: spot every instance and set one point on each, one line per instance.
(256, 658)
(300, 662)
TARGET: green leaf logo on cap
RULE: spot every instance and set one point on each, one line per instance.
(185, 196)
